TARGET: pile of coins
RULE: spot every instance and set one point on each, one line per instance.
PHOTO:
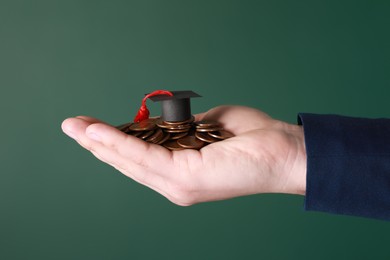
(176, 136)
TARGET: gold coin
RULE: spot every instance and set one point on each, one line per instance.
(190, 142)
(205, 137)
(173, 146)
(221, 134)
(145, 125)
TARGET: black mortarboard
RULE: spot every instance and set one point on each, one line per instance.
(177, 107)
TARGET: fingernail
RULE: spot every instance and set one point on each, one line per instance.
(94, 136)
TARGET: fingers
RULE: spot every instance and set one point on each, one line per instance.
(75, 128)
(133, 171)
(90, 119)
(136, 150)
(199, 117)
(135, 158)
(117, 148)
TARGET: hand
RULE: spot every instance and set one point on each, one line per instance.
(265, 156)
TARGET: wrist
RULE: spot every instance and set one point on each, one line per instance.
(293, 176)
(299, 168)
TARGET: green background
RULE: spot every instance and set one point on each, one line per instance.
(65, 58)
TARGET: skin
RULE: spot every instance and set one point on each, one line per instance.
(265, 156)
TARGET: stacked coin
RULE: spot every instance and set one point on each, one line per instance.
(176, 136)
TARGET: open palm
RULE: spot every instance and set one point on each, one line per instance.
(266, 155)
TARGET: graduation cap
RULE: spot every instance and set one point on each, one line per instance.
(175, 105)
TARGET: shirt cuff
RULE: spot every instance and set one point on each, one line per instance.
(348, 165)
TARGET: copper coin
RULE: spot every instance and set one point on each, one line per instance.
(177, 127)
(146, 134)
(163, 124)
(156, 136)
(165, 138)
(145, 125)
(209, 129)
(181, 122)
(221, 134)
(173, 146)
(206, 123)
(176, 130)
(190, 142)
(135, 133)
(123, 127)
(205, 137)
(175, 136)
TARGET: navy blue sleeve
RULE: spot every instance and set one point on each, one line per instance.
(348, 165)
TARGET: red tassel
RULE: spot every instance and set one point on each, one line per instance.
(143, 112)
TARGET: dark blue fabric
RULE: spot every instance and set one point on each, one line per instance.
(348, 165)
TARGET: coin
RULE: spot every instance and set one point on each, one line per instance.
(163, 124)
(146, 134)
(181, 122)
(205, 137)
(156, 136)
(206, 123)
(209, 129)
(190, 142)
(165, 138)
(173, 146)
(145, 125)
(123, 127)
(221, 134)
(135, 133)
(175, 136)
(176, 130)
